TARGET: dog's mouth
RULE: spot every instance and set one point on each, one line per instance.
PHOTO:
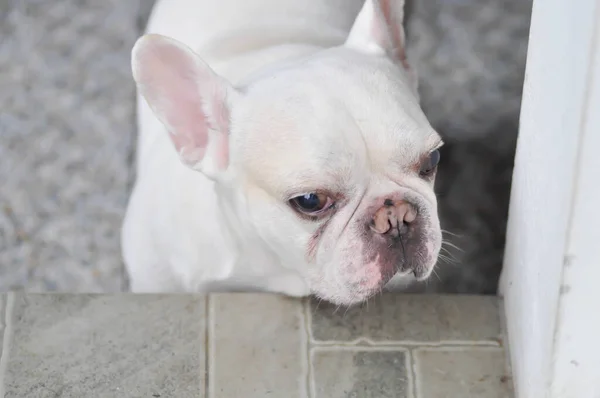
(376, 272)
(420, 273)
(417, 263)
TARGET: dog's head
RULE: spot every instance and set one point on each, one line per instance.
(330, 159)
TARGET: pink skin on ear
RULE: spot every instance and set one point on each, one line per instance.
(393, 20)
(380, 25)
(187, 97)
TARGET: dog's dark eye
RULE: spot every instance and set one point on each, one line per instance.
(430, 164)
(311, 203)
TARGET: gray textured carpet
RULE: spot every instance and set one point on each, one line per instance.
(67, 133)
(66, 125)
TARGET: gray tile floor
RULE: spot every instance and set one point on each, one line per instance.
(250, 345)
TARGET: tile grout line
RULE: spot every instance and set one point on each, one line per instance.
(415, 374)
(410, 374)
(310, 377)
(6, 341)
(366, 342)
(207, 350)
(360, 349)
(458, 349)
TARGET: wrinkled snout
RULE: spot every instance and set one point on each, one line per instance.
(393, 218)
(394, 233)
(401, 235)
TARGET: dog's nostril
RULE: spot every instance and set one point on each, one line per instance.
(393, 218)
(406, 213)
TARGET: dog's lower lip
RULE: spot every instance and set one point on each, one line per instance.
(420, 275)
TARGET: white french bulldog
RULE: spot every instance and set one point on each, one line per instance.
(298, 162)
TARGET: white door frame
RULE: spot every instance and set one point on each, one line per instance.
(551, 276)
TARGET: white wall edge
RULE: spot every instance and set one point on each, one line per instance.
(550, 214)
(576, 351)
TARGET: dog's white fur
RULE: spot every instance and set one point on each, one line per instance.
(300, 96)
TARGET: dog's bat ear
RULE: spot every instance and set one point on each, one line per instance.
(379, 29)
(188, 97)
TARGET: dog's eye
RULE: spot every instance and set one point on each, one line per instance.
(430, 164)
(312, 203)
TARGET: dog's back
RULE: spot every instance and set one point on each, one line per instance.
(225, 29)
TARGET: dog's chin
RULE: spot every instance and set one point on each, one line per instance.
(358, 291)
(354, 292)
(347, 298)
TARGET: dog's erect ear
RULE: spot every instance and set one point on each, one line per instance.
(379, 29)
(190, 100)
